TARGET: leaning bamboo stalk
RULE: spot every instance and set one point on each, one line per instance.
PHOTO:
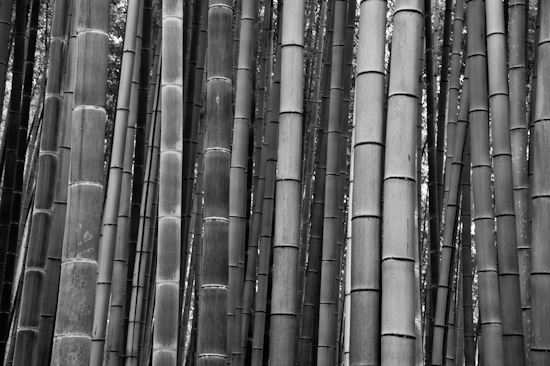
(266, 248)
(146, 235)
(190, 131)
(366, 218)
(466, 259)
(146, 113)
(491, 325)
(398, 260)
(449, 234)
(11, 132)
(212, 347)
(165, 334)
(329, 294)
(454, 88)
(508, 268)
(73, 329)
(6, 9)
(266, 68)
(128, 71)
(518, 134)
(33, 288)
(18, 194)
(312, 149)
(541, 198)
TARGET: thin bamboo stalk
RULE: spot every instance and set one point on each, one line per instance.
(11, 131)
(6, 9)
(329, 293)
(129, 68)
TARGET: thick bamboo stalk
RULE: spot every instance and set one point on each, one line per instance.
(73, 329)
(483, 217)
(287, 187)
(517, 74)
(212, 342)
(508, 271)
(329, 293)
(540, 347)
(165, 334)
(239, 159)
(366, 218)
(33, 288)
(129, 68)
(398, 223)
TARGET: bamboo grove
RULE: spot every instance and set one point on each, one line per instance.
(260, 182)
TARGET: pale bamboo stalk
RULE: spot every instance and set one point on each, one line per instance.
(165, 334)
(129, 68)
(508, 268)
(398, 260)
(517, 74)
(212, 341)
(73, 330)
(540, 198)
(491, 325)
(33, 288)
(367, 205)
